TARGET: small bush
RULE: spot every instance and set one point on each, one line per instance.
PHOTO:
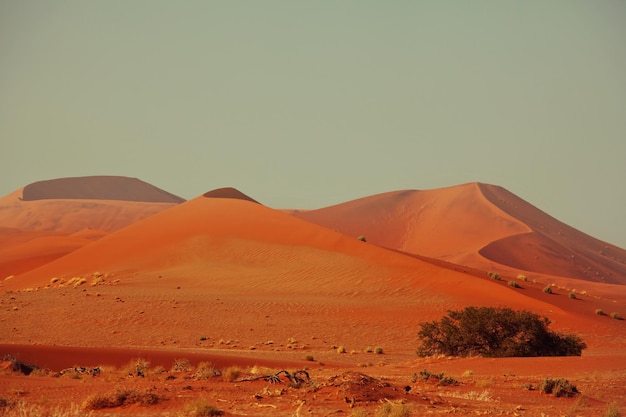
(616, 316)
(514, 284)
(362, 238)
(390, 409)
(309, 358)
(494, 275)
(341, 349)
(558, 387)
(201, 408)
(425, 375)
(547, 289)
(231, 373)
(600, 312)
(118, 398)
(205, 370)
(572, 295)
(378, 350)
(522, 277)
(181, 365)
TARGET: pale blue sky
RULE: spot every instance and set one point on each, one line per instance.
(308, 104)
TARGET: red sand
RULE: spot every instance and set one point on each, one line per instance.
(225, 279)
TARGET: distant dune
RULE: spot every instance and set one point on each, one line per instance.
(97, 188)
(68, 205)
(476, 225)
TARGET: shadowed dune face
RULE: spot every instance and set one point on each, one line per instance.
(552, 247)
(97, 188)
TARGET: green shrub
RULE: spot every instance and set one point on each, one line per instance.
(547, 289)
(572, 295)
(495, 332)
(558, 387)
(514, 284)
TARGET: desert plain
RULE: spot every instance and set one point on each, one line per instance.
(180, 304)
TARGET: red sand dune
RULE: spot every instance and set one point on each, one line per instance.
(225, 279)
(69, 205)
(478, 225)
(262, 259)
(48, 219)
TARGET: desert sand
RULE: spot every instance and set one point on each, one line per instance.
(223, 279)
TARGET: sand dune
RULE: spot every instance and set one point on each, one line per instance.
(224, 279)
(97, 188)
(477, 225)
(69, 205)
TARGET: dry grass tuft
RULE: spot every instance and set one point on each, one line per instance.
(390, 409)
(120, 397)
(201, 408)
(231, 373)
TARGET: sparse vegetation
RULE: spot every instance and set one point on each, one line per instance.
(120, 397)
(231, 373)
(442, 379)
(514, 284)
(495, 332)
(309, 358)
(494, 275)
(547, 289)
(612, 410)
(341, 349)
(205, 370)
(600, 312)
(389, 409)
(572, 295)
(362, 238)
(522, 277)
(378, 350)
(201, 408)
(181, 365)
(616, 316)
(558, 387)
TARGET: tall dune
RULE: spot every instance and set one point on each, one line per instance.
(477, 225)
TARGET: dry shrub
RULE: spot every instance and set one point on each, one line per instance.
(558, 387)
(390, 409)
(201, 408)
(181, 365)
(205, 370)
(120, 397)
(231, 373)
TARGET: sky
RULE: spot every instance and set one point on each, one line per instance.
(308, 104)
